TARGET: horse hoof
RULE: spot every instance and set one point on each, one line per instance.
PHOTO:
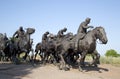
(80, 69)
(98, 62)
(60, 68)
(66, 69)
(34, 65)
(90, 64)
(96, 65)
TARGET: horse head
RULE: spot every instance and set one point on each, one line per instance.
(30, 30)
(101, 34)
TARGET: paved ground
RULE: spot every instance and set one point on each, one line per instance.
(26, 71)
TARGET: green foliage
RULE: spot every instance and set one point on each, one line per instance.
(110, 60)
(112, 53)
(119, 55)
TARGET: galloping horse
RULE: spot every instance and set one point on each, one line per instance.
(85, 46)
(88, 44)
(3, 44)
(23, 44)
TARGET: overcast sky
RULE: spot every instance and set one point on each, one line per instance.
(53, 15)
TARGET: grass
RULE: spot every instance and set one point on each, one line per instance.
(110, 60)
(106, 60)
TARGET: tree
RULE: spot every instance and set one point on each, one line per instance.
(111, 53)
(119, 55)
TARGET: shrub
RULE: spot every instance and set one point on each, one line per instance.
(111, 53)
(110, 60)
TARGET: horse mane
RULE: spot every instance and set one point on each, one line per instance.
(94, 30)
(98, 27)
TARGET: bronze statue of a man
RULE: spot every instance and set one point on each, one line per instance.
(19, 33)
(51, 37)
(84, 26)
(5, 36)
(61, 32)
(44, 39)
(82, 31)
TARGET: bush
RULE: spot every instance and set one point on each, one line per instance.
(119, 55)
(111, 53)
(110, 60)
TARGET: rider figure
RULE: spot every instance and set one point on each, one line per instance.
(60, 33)
(19, 33)
(51, 37)
(82, 31)
(44, 39)
(5, 38)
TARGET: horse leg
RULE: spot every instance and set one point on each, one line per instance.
(2, 55)
(15, 57)
(81, 60)
(63, 63)
(32, 54)
(96, 58)
(25, 56)
(55, 58)
(78, 62)
(84, 53)
(45, 58)
(35, 54)
(42, 55)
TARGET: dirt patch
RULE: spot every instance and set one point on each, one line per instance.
(27, 71)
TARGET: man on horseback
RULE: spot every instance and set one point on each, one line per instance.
(5, 38)
(19, 36)
(82, 31)
(51, 37)
(19, 33)
(60, 32)
(44, 39)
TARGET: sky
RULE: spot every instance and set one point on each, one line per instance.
(53, 15)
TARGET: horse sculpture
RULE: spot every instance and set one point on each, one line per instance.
(3, 44)
(23, 45)
(50, 50)
(85, 46)
(7, 48)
